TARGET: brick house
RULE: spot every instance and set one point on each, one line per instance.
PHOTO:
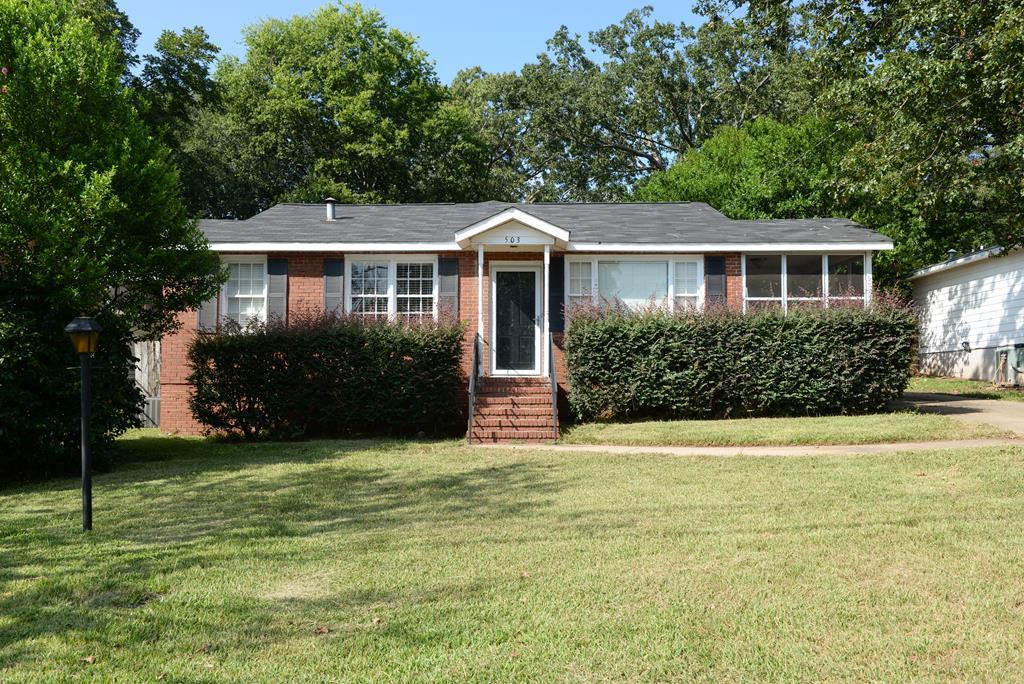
(509, 271)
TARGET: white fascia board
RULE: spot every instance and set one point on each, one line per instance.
(512, 214)
(956, 263)
(335, 247)
(772, 247)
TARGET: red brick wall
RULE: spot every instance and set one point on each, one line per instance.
(305, 294)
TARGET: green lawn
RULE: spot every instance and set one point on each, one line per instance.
(417, 561)
(977, 389)
(902, 426)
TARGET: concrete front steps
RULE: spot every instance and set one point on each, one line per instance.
(513, 410)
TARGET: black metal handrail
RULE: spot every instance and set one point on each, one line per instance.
(473, 373)
(554, 382)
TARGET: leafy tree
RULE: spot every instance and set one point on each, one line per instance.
(111, 24)
(763, 169)
(336, 103)
(91, 222)
(936, 86)
(173, 86)
(585, 128)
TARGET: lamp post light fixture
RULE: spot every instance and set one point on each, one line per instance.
(85, 334)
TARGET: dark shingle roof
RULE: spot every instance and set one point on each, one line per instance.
(630, 223)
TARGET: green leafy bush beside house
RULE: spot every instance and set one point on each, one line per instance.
(328, 376)
(625, 365)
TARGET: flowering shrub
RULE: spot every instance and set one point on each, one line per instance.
(626, 364)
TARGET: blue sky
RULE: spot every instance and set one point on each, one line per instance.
(499, 36)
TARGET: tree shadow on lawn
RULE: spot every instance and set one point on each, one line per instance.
(197, 512)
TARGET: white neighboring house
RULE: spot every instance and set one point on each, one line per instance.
(971, 306)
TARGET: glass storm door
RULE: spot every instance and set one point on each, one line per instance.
(516, 320)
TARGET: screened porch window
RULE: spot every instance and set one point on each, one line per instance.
(804, 280)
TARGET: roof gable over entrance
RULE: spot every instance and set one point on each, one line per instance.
(512, 227)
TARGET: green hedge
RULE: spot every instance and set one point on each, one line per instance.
(328, 376)
(624, 365)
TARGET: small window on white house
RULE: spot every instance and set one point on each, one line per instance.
(580, 282)
(415, 290)
(245, 293)
(687, 285)
(369, 287)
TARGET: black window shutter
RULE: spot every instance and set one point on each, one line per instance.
(448, 286)
(277, 290)
(207, 316)
(556, 290)
(714, 280)
(334, 285)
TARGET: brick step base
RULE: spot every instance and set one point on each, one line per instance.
(513, 410)
(515, 391)
(513, 422)
(509, 410)
(497, 436)
(527, 400)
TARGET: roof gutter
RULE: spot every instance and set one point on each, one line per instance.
(667, 248)
(956, 263)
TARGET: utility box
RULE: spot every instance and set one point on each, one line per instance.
(1010, 365)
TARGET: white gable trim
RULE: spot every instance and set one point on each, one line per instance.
(464, 236)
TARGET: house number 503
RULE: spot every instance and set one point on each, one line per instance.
(513, 239)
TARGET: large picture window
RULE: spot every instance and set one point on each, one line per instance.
(673, 282)
(804, 280)
(633, 283)
(390, 287)
(245, 292)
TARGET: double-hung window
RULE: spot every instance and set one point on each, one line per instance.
(673, 282)
(244, 296)
(392, 287)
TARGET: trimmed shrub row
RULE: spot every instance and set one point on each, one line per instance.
(328, 376)
(626, 365)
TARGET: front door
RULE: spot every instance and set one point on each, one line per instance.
(516, 320)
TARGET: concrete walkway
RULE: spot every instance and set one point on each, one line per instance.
(1008, 415)
(841, 449)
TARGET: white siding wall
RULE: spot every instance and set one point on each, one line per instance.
(980, 303)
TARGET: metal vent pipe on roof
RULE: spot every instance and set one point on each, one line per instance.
(330, 208)
(950, 254)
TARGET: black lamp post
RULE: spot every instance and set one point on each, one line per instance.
(85, 335)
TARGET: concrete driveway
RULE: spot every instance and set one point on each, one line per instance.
(1008, 415)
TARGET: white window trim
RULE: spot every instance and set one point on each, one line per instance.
(244, 259)
(784, 299)
(392, 260)
(670, 290)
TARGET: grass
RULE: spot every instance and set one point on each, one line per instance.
(418, 561)
(976, 389)
(904, 426)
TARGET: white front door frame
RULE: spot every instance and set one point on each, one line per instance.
(537, 268)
